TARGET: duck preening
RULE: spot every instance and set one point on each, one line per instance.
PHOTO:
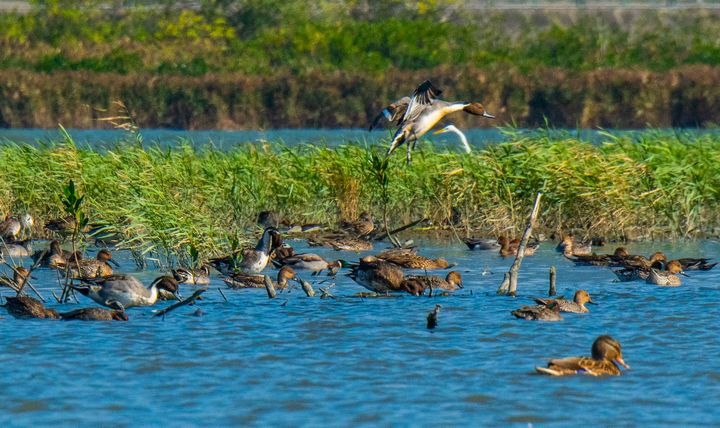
(606, 355)
(416, 115)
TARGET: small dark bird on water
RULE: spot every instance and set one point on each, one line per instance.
(432, 317)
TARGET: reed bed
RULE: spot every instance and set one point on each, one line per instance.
(189, 201)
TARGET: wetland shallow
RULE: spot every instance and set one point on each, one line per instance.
(351, 361)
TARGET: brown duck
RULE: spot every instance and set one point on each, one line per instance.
(28, 307)
(240, 280)
(377, 275)
(20, 275)
(417, 284)
(615, 259)
(550, 312)
(577, 305)
(606, 355)
(361, 227)
(409, 259)
(510, 247)
(94, 314)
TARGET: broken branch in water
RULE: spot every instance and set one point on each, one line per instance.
(399, 229)
(553, 273)
(510, 288)
(187, 301)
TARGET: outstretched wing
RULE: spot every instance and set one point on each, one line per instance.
(392, 113)
(423, 96)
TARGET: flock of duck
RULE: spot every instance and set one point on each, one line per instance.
(381, 274)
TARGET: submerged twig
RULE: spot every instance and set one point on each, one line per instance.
(553, 273)
(187, 301)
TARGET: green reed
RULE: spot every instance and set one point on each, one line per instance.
(189, 201)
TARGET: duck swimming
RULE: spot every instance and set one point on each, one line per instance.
(28, 307)
(549, 312)
(616, 259)
(667, 277)
(92, 268)
(199, 276)
(242, 280)
(510, 247)
(54, 258)
(577, 305)
(17, 249)
(309, 261)
(409, 259)
(606, 355)
(125, 291)
(377, 275)
(254, 260)
(570, 247)
(94, 314)
(417, 284)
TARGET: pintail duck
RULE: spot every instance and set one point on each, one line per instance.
(459, 133)
(252, 260)
(125, 291)
(94, 314)
(361, 227)
(417, 115)
(377, 275)
(269, 219)
(606, 354)
(309, 261)
(577, 305)
(339, 242)
(696, 263)
(570, 247)
(615, 259)
(199, 276)
(409, 259)
(481, 244)
(511, 247)
(640, 262)
(12, 228)
(92, 268)
(666, 277)
(549, 312)
(417, 284)
(54, 258)
(20, 275)
(28, 307)
(242, 280)
(17, 249)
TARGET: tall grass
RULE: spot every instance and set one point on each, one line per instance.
(186, 200)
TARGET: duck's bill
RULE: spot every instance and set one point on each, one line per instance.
(460, 286)
(114, 262)
(488, 115)
(591, 302)
(622, 362)
(684, 274)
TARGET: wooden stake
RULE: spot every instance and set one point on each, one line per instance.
(553, 272)
(515, 268)
(270, 288)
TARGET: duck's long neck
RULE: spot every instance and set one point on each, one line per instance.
(264, 243)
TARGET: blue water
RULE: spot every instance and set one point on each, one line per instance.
(351, 361)
(477, 137)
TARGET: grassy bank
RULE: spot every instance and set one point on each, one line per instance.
(683, 97)
(657, 186)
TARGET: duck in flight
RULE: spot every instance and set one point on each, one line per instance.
(416, 115)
